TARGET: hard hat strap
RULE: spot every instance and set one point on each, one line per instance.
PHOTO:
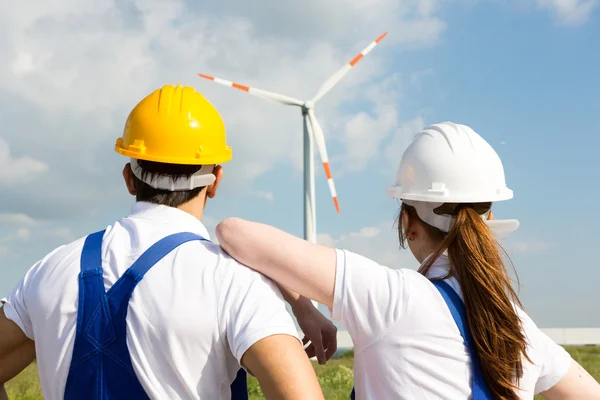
(444, 222)
(203, 177)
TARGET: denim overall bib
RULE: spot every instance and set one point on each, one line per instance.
(480, 389)
(101, 367)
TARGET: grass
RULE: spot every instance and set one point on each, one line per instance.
(336, 377)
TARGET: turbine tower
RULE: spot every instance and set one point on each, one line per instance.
(313, 134)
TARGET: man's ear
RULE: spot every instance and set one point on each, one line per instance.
(211, 190)
(128, 177)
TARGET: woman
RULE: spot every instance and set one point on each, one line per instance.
(451, 330)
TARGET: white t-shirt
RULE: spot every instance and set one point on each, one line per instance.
(406, 343)
(189, 322)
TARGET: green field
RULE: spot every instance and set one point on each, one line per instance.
(335, 377)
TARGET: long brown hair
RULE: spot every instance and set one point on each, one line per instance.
(489, 298)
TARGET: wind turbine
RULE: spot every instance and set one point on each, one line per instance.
(312, 132)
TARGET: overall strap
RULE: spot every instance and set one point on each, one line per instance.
(120, 293)
(157, 252)
(457, 309)
(92, 294)
(91, 255)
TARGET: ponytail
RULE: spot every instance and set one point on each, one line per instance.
(489, 298)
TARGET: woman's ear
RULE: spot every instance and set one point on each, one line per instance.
(404, 216)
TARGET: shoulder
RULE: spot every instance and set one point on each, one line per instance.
(59, 257)
(354, 260)
(353, 264)
(231, 272)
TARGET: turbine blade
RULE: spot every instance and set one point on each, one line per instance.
(335, 78)
(317, 133)
(278, 98)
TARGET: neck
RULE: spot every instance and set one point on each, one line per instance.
(195, 207)
(427, 251)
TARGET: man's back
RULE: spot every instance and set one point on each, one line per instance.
(190, 319)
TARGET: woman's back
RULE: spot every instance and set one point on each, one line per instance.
(406, 342)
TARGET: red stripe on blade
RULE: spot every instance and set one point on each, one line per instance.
(327, 170)
(356, 59)
(380, 38)
(337, 205)
(241, 87)
(206, 77)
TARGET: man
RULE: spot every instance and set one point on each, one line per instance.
(148, 307)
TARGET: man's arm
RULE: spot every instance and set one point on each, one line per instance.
(17, 351)
(576, 384)
(282, 369)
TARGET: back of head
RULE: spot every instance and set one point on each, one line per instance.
(442, 183)
(175, 138)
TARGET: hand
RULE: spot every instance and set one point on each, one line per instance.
(319, 330)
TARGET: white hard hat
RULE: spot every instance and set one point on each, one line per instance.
(450, 163)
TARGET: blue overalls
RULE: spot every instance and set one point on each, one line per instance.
(101, 367)
(480, 389)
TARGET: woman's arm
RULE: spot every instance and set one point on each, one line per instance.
(576, 384)
(305, 268)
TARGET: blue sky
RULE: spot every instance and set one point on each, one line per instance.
(522, 74)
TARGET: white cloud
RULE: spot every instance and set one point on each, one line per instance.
(401, 139)
(4, 252)
(364, 134)
(118, 50)
(267, 196)
(65, 234)
(570, 12)
(80, 66)
(23, 63)
(23, 234)
(529, 245)
(17, 170)
(417, 77)
(8, 219)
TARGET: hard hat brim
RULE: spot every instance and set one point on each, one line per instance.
(397, 192)
(204, 160)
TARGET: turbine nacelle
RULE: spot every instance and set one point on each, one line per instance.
(309, 105)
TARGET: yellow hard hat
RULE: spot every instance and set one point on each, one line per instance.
(175, 125)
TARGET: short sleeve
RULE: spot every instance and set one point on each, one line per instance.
(369, 298)
(556, 362)
(253, 309)
(15, 304)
